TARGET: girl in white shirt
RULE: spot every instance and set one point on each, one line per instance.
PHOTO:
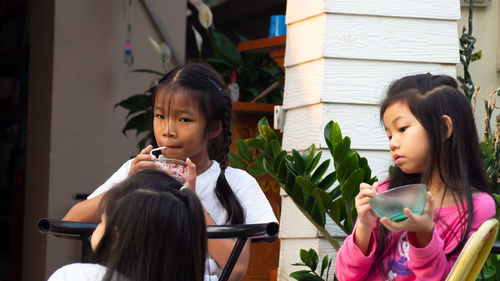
(192, 118)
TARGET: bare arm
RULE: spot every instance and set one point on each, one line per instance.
(220, 249)
(85, 211)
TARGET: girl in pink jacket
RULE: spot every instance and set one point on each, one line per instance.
(433, 140)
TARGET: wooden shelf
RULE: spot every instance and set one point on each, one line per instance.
(275, 46)
(240, 106)
(264, 45)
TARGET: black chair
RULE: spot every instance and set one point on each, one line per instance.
(496, 248)
(266, 232)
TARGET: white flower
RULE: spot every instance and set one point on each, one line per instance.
(205, 15)
(155, 44)
(199, 39)
(164, 51)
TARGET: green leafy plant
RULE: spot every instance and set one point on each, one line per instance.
(310, 259)
(314, 191)
(255, 71)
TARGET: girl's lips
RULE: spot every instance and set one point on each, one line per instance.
(398, 159)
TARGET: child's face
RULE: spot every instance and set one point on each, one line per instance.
(98, 233)
(179, 125)
(407, 138)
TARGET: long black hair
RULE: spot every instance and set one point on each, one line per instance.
(206, 88)
(457, 158)
(153, 230)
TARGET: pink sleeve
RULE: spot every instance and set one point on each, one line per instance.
(351, 263)
(430, 262)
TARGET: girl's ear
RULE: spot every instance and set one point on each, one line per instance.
(448, 126)
(215, 130)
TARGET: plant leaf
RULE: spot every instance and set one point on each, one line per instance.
(320, 171)
(256, 169)
(313, 256)
(256, 144)
(328, 180)
(298, 161)
(347, 165)
(332, 135)
(243, 150)
(235, 160)
(315, 162)
(341, 149)
(140, 122)
(305, 184)
(308, 156)
(136, 103)
(324, 264)
(148, 71)
(318, 215)
(351, 185)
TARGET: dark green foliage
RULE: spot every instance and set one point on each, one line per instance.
(304, 177)
(310, 259)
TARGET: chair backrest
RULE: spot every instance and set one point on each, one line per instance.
(475, 252)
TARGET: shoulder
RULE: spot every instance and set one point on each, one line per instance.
(79, 272)
(483, 206)
(238, 177)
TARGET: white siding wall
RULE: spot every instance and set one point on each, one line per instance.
(340, 58)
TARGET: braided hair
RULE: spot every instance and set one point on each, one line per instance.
(206, 87)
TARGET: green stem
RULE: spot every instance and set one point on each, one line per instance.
(348, 211)
(321, 229)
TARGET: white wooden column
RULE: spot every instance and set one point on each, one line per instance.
(341, 55)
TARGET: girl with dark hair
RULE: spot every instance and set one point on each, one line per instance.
(150, 229)
(433, 140)
(191, 118)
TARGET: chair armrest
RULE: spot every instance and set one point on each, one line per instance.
(259, 232)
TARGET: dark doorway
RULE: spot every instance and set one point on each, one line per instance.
(14, 57)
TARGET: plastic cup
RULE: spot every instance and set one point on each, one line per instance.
(391, 203)
(178, 169)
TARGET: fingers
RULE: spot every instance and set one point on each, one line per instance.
(147, 149)
(190, 180)
(429, 206)
(143, 160)
(365, 190)
(392, 225)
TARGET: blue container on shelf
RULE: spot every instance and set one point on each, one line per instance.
(277, 26)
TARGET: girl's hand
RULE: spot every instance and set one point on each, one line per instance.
(143, 160)
(422, 225)
(367, 218)
(190, 180)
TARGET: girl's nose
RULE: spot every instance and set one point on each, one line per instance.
(169, 129)
(393, 143)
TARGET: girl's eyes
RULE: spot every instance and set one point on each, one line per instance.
(402, 129)
(185, 120)
(159, 116)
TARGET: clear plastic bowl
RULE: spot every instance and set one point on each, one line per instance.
(178, 169)
(391, 203)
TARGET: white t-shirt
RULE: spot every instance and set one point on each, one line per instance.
(79, 272)
(244, 186)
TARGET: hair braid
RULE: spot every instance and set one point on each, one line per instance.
(223, 191)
